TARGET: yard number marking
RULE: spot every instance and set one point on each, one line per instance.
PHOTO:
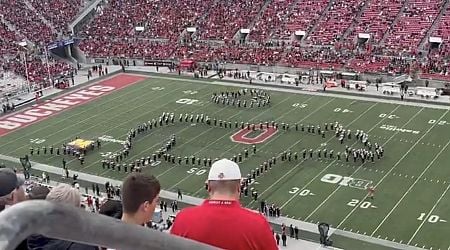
(190, 92)
(304, 192)
(196, 171)
(339, 110)
(432, 219)
(300, 105)
(442, 122)
(186, 101)
(364, 204)
(388, 116)
(37, 141)
(158, 88)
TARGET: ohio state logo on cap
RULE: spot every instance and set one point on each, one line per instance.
(221, 176)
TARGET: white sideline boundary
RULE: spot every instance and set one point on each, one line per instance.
(305, 226)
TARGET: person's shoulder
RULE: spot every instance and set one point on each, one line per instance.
(253, 214)
(189, 211)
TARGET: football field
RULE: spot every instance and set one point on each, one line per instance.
(411, 203)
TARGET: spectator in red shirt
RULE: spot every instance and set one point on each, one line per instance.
(221, 221)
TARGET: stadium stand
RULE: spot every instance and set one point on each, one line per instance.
(376, 19)
(303, 16)
(336, 21)
(270, 20)
(225, 18)
(59, 13)
(169, 22)
(26, 21)
(412, 25)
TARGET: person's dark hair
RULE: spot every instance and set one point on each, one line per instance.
(137, 189)
(112, 208)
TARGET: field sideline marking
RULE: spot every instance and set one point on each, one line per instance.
(209, 129)
(415, 182)
(418, 178)
(305, 92)
(313, 179)
(295, 167)
(428, 215)
(236, 144)
(120, 124)
(313, 112)
(89, 109)
(361, 166)
(161, 174)
(390, 170)
(141, 138)
(89, 118)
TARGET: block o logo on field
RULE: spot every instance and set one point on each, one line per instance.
(249, 136)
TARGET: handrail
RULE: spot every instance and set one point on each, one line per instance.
(73, 224)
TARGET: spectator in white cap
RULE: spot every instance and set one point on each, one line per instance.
(221, 221)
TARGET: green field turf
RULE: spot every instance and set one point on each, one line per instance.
(411, 202)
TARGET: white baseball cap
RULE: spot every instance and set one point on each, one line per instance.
(224, 170)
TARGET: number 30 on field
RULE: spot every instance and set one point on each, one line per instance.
(304, 192)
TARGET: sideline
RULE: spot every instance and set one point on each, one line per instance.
(304, 226)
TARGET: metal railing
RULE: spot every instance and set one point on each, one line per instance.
(73, 224)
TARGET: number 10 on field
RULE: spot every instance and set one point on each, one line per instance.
(431, 219)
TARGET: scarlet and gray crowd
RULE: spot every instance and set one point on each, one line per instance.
(139, 198)
(393, 47)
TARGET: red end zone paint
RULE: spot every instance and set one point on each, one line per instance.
(241, 135)
(55, 106)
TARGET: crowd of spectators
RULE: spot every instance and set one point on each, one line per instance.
(174, 16)
(59, 13)
(337, 20)
(226, 17)
(137, 204)
(26, 21)
(377, 18)
(413, 24)
(112, 33)
(302, 17)
(272, 18)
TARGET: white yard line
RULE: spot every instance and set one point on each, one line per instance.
(428, 215)
(84, 111)
(187, 177)
(90, 118)
(120, 124)
(415, 182)
(305, 92)
(331, 163)
(320, 173)
(311, 113)
(339, 187)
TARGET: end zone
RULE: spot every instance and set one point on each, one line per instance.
(59, 104)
